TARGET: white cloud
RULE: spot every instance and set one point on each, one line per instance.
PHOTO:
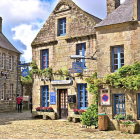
(26, 34)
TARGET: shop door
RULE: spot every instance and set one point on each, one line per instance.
(63, 103)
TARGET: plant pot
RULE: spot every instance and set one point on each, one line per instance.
(76, 113)
(129, 128)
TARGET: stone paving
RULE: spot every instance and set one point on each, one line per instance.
(15, 125)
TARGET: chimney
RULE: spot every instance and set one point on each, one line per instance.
(112, 5)
(0, 24)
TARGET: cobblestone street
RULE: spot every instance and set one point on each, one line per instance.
(15, 125)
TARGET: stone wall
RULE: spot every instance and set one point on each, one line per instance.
(7, 104)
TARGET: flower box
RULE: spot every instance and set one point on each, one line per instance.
(129, 128)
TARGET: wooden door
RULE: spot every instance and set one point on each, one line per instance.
(63, 103)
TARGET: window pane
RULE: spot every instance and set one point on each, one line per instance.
(115, 50)
(86, 94)
(86, 99)
(115, 61)
(117, 105)
(44, 57)
(65, 30)
(80, 47)
(43, 52)
(115, 55)
(81, 104)
(122, 60)
(81, 87)
(44, 63)
(61, 31)
(81, 99)
(61, 21)
(122, 55)
(61, 26)
(47, 63)
(121, 49)
(116, 97)
(81, 93)
(86, 104)
(115, 67)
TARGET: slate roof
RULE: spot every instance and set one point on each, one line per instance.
(5, 43)
(96, 19)
(124, 13)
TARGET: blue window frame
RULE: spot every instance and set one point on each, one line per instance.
(81, 50)
(45, 96)
(83, 96)
(45, 59)
(117, 57)
(119, 104)
(62, 27)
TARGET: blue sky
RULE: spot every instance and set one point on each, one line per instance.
(22, 19)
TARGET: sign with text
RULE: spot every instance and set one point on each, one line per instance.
(77, 67)
(52, 98)
(25, 72)
(61, 82)
(105, 96)
(23, 64)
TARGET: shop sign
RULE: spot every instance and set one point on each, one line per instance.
(77, 67)
(23, 64)
(52, 98)
(61, 82)
(25, 72)
(105, 96)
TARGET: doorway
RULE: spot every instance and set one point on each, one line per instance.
(63, 103)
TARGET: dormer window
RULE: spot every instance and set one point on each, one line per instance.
(62, 27)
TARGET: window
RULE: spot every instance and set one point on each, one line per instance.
(3, 60)
(117, 57)
(119, 104)
(83, 96)
(81, 50)
(45, 59)
(62, 27)
(2, 92)
(10, 62)
(11, 92)
(45, 96)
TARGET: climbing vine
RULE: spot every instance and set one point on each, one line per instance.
(127, 77)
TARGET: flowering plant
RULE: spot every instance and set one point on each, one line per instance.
(38, 108)
(119, 117)
(46, 108)
(128, 121)
(81, 111)
(50, 109)
(75, 110)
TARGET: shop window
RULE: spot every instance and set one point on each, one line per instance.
(45, 59)
(119, 104)
(11, 92)
(45, 96)
(2, 92)
(83, 96)
(10, 62)
(62, 27)
(81, 50)
(117, 57)
(3, 60)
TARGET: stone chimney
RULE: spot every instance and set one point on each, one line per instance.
(0, 24)
(112, 5)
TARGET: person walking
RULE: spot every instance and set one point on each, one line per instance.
(31, 104)
(19, 103)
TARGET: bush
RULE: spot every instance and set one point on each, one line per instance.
(90, 117)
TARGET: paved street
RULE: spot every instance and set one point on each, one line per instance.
(15, 125)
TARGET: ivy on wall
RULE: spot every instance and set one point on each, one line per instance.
(127, 77)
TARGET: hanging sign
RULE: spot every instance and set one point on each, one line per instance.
(77, 67)
(105, 96)
(52, 98)
(25, 72)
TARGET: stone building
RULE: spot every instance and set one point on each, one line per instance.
(9, 87)
(68, 31)
(118, 44)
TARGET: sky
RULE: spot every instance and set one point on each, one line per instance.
(22, 19)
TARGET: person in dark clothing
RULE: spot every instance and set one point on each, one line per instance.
(31, 104)
(19, 103)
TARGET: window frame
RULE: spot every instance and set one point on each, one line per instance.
(46, 95)
(119, 104)
(2, 92)
(10, 61)
(119, 57)
(46, 54)
(84, 89)
(83, 53)
(3, 57)
(11, 91)
(64, 29)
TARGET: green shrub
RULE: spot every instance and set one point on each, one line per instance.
(90, 117)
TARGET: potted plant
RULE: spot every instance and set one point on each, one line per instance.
(50, 109)
(81, 111)
(45, 109)
(75, 111)
(42, 109)
(129, 126)
(118, 118)
(38, 108)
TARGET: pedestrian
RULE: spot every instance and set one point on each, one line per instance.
(19, 103)
(31, 104)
